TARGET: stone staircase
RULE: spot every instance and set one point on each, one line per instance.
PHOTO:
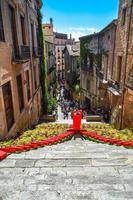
(74, 170)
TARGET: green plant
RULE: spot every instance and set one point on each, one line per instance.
(40, 132)
(51, 104)
(43, 71)
(84, 52)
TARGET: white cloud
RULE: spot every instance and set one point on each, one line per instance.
(78, 31)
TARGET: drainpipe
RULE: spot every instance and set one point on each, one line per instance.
(127, 46)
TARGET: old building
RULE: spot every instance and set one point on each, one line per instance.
(49, 46)
(61, 40)
(89, 60)
(97, 55)
(20, 90)
(72, 63)
(122, 97)
(104, 70)
(113, 78)
(72, 69)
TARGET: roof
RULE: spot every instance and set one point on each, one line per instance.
(89, 36)
(60, 35)
(114, 22)
(74, 50)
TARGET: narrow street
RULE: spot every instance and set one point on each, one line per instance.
(66, 100)
(72, 170)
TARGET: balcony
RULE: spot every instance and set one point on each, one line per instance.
(99, 74)
(50, 70)
(114, 87)
(21, 54)
(129, 82)
(37, 52)
(87, 68)
(40, 52)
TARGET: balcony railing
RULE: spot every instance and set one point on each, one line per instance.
(129, 82)
(21, 54)
(50, 70)
(37, 52)
(115, 85)
(100, 74)
(87, 68)
(40, 52)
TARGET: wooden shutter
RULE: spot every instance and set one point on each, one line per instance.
(13, 29)
(35, 80)
(22, 20)
(7, 95)
(2, 38)
(28, 85)
(20, 92)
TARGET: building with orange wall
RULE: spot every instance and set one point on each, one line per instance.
(20, 91)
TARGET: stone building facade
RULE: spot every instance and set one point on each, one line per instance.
(122, 111)
(49, 46)
(72, 63)
(61, 40)
(114, 70)
(89, 51)
(20, 92)
(104, 72)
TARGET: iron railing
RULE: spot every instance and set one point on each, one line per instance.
(87, 68)
(22, 53)
(129, 82)
(115, 85)
(99, 74)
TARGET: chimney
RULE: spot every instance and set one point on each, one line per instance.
(51, 21)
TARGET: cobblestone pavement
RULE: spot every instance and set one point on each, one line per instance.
(75, 170)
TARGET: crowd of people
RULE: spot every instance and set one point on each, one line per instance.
(68, 105)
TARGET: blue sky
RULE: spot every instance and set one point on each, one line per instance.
(79, 17)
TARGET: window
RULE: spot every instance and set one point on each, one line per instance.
(20, 92)
(108, 37)
(2, 38)
(32, 36)
(123, 19)
(85, 60)
(119, 67)
(88, 85)
(35, 78)
(77, 65)
(91, 60)
(37, 37)
(22, 20)
(28, 85)
(12, 19)
(7, 95)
